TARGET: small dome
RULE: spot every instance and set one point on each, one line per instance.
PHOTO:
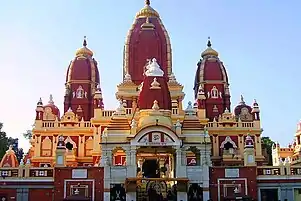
(52, 107)
(147, 11)
(84, 51)
(209, 51)
(241, 107)
(9, 159)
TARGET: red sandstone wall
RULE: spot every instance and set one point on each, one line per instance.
(40, 194)
(244, 172)
(10, 194)
(62, 174)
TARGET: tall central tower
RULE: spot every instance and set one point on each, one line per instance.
(146, 39)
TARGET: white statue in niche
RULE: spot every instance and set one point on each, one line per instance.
(80, 92)
(214, 92)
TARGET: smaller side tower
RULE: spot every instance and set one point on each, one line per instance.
(81, 82)
(249, 152)
(211, 78)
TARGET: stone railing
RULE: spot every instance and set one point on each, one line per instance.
(25, 172)
(56, 124)
(176, 112)
(236, 125)
(269, 170)
(278, 172)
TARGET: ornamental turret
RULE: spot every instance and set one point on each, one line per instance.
(39, 110)
(146, 39)
(211, 77)
(81, 82)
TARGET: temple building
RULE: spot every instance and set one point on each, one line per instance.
(150, 147)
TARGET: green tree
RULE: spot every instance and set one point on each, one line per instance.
(268, 144)
(3, 141)
(27, 134)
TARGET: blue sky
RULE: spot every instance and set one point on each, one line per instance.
(259, 42)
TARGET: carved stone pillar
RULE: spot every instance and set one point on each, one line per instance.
(128, 157)
(180, 169)
(81, 145)
(131, 162)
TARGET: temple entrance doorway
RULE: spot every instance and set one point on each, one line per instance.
(155, 162)
(150, 168)
(155, 168)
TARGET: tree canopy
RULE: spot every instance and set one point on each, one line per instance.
(268, 144)
(5, 142)
(27, 134)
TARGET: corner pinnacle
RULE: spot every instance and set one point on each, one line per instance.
(85, 41)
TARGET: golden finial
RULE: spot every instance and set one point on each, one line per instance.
(85, 41)
(84, 51)
(209, 42)
(209, 51)
(147, 11)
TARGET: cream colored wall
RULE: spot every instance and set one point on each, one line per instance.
(297, 196)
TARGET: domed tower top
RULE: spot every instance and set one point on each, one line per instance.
(154, 88)
(211, 76)
(84, 51)
(147, 38)
(209, 51)
(81, 82)
(147, 11)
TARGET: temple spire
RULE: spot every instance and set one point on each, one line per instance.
(85, 41)
(209, 42)
(147, 2)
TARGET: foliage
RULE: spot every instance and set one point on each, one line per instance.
(5, 142)
(27, 134)
(268, 144)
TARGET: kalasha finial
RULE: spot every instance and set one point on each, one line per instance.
(85, 41)
(209, 42)
(147, 2)
(51, 99)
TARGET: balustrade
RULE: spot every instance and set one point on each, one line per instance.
(26, 172)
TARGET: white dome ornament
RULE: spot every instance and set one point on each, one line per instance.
(153, 69)
(127, 78)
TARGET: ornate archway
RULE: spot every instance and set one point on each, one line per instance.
(156, 136)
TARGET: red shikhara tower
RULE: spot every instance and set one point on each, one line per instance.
(146, 39)
(211, 78)
(82, 80)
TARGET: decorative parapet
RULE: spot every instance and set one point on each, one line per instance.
(278, 172)
(175, 114)
(241, 125)
(24, 172)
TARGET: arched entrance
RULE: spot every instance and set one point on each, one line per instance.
(156, 162)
